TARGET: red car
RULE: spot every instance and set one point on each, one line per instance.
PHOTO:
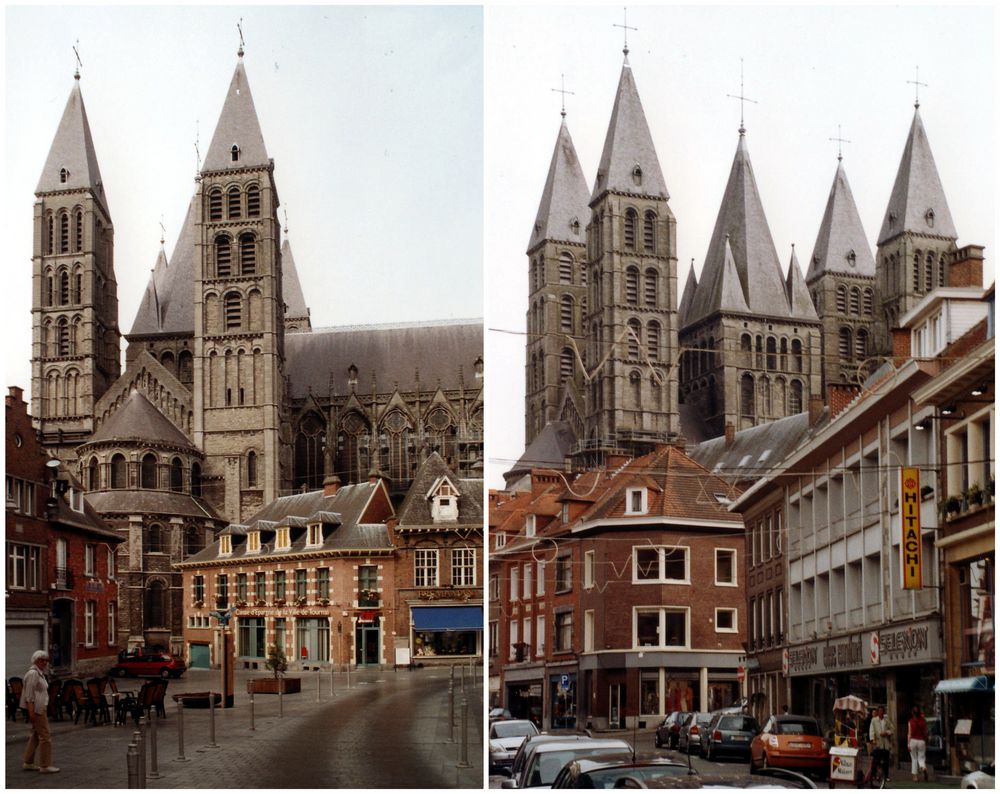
(143, 664)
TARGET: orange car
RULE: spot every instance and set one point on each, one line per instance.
(790, 741)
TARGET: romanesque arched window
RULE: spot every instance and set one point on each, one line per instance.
(195, 480)
(63, 337)
(940, 272)
(759, 350)
(634, 339)
(651, 287)
(78, 236)
(51, 224)
(248, 255)
(649, 232)
(176, 475)
(49, 296)
(233, 202)
(795, 397)
(783, 355)
(844, 348)
(855, 300)
(631, 218)
(185, 367)
(916, 272)
(215, 204)
(746, 343)
(251, 463)
(194, 541)
(780, 397)
(119, 471)
(772, 353)
(233, 311)
(842, 299)
(747, 395)
(929, 273)
(765, 396)
(635, 388)
(868, 301)
(64, 288)
(565, 268)
(797, 355)
(632, 286)
(154, 538)
(861, 344)
(63, 232)
(566, 365)
(93, 475)
(154, 616)
(653, 340)
(253, 201)
(223, 256)
(147, 472)
(566, 314)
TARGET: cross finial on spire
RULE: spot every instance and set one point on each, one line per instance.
(79, 63)
(742, 99)
(626, 28)
(239, 27)
(163, 231)
(286, 220)
(563, 91)
(916, 89)
(839, 140)
(197, 151)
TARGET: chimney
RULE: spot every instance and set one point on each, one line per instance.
(900, 346)
(615, 460)
(331, 485)
(730, 434)
(17, 393)
(966, 267)
(815, 408)
(839, 396)
(373, 476)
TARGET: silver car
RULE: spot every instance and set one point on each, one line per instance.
(544, 762)
(505, 737)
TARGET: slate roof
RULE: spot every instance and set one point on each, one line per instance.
(138, 420)
(291, 289)
(548, 449)
(917, 189)
(129, 501)
(73, 149)
(562, 212)
(799, 299)
(238, 124)
(415, 512)
(395, 353)
(348, 502)
(687, 297)
(628, 144)
(167, 305)
(840, 234)
(741, 218)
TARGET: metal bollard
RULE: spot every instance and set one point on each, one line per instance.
(154, 768)
(211, 721)
(348, 666)
(253, 688)
(461, 675)
(463, 751)
(281, 702)
(180, 731)
(132, 764)
(319, 687)
(140, 747)
(451, 707)
(331, 680)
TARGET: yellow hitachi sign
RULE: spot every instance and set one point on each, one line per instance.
(910, 548)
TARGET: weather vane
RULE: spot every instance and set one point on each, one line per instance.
(839, 140)
(197, 151)
(163, 231)
(239, 27)
(79, 63)
(563, 91)
(742, 99)
(626, 28)
(916, 89)
(286, 219)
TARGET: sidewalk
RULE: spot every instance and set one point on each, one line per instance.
(95, 756)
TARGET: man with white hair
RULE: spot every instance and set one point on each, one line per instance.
(35, 698)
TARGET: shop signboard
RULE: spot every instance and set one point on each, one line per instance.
(913, 643)
(910, 548)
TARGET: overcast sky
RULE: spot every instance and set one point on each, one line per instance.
(373, 117)
(810, 69)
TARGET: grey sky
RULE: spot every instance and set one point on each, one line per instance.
(810, 68)
(373, 116)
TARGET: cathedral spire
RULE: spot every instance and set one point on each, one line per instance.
(917, 204)
(841, 245)
(238, 141)
(562, 212)
(799, 300)
(296, 311)
(628, 162)
(690, 286)
(72, 160)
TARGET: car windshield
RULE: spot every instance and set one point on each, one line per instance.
(703, 717)
(511, 728)
(799, 727)
(738, 723)
(606, 778)
(547, 765)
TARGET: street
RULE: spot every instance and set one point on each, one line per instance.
(388, 730)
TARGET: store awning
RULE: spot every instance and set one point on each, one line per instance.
(448, 618)
(979, 683)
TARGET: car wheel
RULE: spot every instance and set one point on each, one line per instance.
(763, 759)
(118, 672)
(165, 673)
(753, 766)
(709, 754)
(656, 739)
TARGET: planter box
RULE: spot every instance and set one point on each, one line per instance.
(197, 700)
(269, 686)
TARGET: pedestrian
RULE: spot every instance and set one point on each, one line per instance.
(916, 739)
(35, 698)
(880, 734)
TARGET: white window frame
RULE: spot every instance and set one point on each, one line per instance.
(588, 569)
(24, 567)
(630, 499)
(494, 638)
(540, 635)
(736, 626)
(526, 637)
(90, 560)
(515, 578)
(282, 538)
(526, 582)
(529, 525)
(463, 567)
(735, 581)
(314, 535)
(112, 639)
(540, 578)
(499, 540)
(514, 627)
(253, 542)
(662, 612)
(112, 575)
(494, 588)
(426, 564)
(225, 545)
(660, 578)
(588, 631)
(90, 623)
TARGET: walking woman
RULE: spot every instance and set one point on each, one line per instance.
(916, 738)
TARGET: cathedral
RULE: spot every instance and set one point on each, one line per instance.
(229, 398)
(617, 361)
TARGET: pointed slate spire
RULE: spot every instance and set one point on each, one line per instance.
(238, 126)
(841, 245)
(562, 212)
(690, 286)
(731, 297)
(295, 302)
(72, 160)
(917, 203)
(741, 220)
(628, 162)
(172, 311)
(799, 299)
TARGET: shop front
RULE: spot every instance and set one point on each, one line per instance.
(522, 693)
(562, 700)
(446, 631)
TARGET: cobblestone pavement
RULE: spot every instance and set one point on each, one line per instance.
(389, 729)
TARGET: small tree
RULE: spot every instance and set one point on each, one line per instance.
(276, 660)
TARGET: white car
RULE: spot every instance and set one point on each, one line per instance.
(982, 778)
(506, 736)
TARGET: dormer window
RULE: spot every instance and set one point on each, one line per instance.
(314, 535)
(445, 503)
(929, 217)
(235, 153)
(529, 525)
(635, 501)
(575, 225)
(63, 176)
(282, 539)
(852, 258)
(500, 540)
(253, 542)
(225, 545)
(352, 376)
(637, 175)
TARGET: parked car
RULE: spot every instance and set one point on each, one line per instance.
(499, 713)
(790, 741)
(769, 778)
(606, 771)
(530, 742)
(689, 737)
(545, 760)
(736, 707)
(668, 730)
(984, 777)
(505, 737)
(145, 664)
(728, 734)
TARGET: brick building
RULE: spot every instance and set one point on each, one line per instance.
(622, 596)
(62, 586)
